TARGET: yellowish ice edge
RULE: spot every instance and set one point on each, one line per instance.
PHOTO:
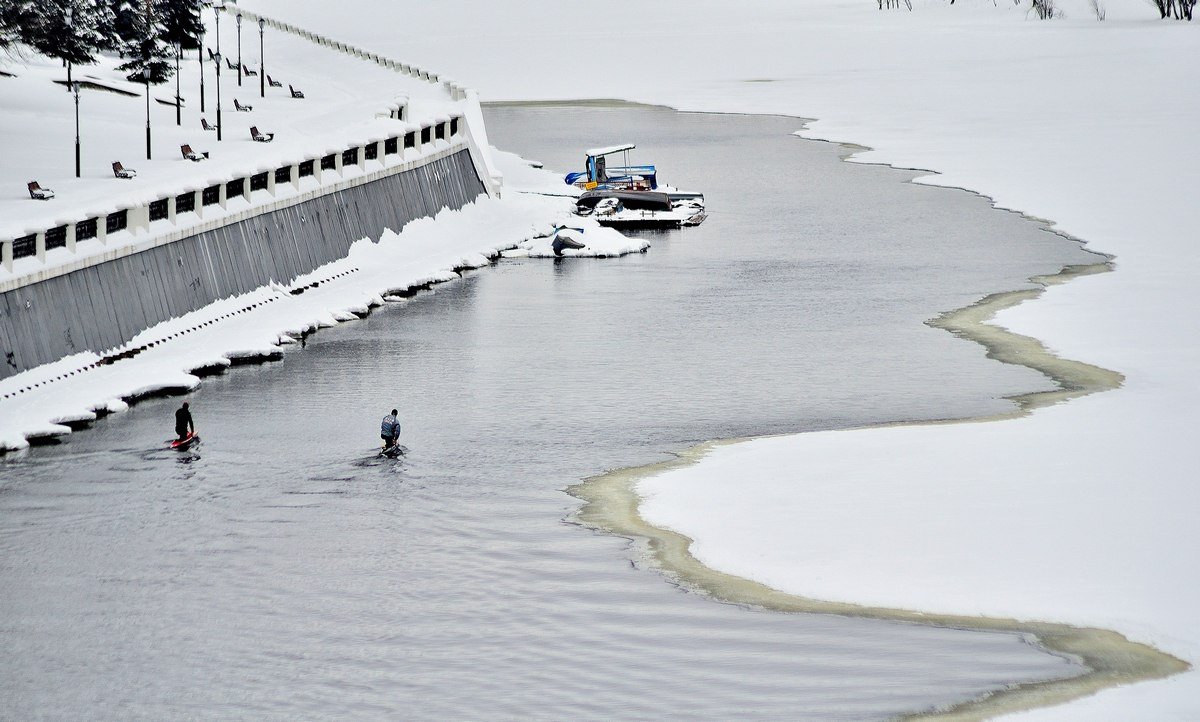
(611, 505)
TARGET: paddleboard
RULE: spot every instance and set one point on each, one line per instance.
(184, 444)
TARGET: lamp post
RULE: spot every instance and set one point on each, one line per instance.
(200, 57)
(70, 17)
(262, 70)
(178, 99)
(75, 87)
(239, 70)
(146, 77)
(217, 58)
(217, 8)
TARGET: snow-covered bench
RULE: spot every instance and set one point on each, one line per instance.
(39, 193)
(242, 108)
(295, 93)
(248, 71)
(261, 137)
(204, 124)
(121, 171)
(191, 154)
(273, 83)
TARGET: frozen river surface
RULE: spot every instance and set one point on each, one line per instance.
(282, 572)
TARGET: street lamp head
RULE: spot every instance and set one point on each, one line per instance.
(69, 16)
(75, 86)
(146, 73)
(217, 57)
(239, 20)
(261, 24)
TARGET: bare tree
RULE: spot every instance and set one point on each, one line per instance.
(1097, 8)
(1045, 9)
(1179, 9)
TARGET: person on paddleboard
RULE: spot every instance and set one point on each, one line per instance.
(183, 422)
(389, 430)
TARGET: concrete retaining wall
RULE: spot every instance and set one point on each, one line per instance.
(103, 306)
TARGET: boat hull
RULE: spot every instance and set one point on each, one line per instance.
(650, 222)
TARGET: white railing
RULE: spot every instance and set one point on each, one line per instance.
(171, 217)
(453, 89)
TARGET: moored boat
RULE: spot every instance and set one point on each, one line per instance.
(640, 209)
(630, 196)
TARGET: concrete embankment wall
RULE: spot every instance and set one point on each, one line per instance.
(103, 306)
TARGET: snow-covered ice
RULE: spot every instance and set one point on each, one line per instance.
(1078, 513)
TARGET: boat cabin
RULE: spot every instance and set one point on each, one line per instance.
(601, 174)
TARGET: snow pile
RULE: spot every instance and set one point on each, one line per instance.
(524, 176)
(584, 238)
(1077, 513)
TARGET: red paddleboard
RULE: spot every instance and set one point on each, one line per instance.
(182, 445)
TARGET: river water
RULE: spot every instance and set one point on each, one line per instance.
(283, 572)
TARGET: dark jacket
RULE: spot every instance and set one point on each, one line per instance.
(183, 421)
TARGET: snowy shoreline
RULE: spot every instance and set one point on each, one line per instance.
(612, 504)
(47, 401)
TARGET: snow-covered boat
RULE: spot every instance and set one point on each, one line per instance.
(630, 195)
(640, 209)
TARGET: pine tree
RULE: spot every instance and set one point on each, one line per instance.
(71, 30)
(16, 16)
(125, 14)
(181, 22)
(146, 48)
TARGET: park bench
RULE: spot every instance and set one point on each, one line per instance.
(242, 108)
(273, 83)
(248, 71)
(204, 124)
(39, 193)
(261, 137)
(121, 171)
(295, 93)
(230, 64)
(210, 54)
(191, 154)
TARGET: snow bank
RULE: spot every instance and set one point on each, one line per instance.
(597, 242)
(38, 401)
(167, 357)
